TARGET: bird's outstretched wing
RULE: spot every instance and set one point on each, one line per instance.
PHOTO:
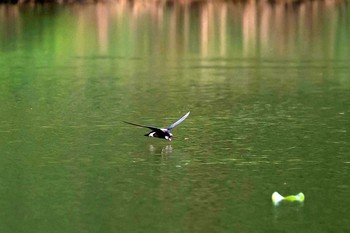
(144, 126)
(179, 121)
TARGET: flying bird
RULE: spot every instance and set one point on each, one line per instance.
(161, 132)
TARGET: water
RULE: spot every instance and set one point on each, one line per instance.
(269, 95)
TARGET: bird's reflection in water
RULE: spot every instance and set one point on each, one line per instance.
(165, 150)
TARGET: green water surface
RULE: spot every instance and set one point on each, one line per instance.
(268, 87)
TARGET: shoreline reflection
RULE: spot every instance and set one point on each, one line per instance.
(208, 28)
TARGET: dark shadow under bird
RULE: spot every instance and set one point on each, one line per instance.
(161, 132)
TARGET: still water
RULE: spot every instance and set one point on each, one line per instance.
(268, 88)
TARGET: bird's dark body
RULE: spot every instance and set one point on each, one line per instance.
(161, 132)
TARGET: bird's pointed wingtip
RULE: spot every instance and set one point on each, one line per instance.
(186, 115)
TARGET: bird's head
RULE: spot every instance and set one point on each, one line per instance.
(169, 136)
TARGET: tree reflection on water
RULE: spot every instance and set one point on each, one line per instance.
(210, 28)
